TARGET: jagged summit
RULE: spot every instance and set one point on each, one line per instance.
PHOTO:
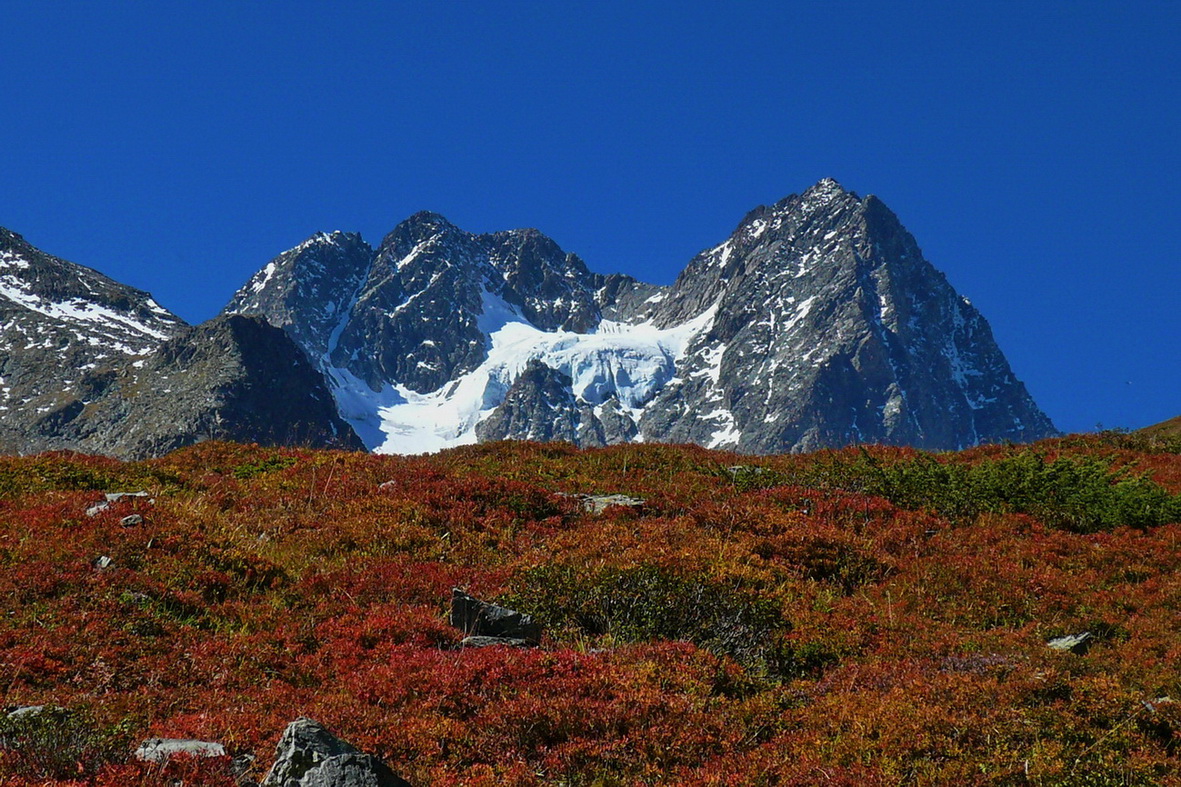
(817, 322)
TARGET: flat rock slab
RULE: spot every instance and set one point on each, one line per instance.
(160, 749)
(489, 642)
(597, 504)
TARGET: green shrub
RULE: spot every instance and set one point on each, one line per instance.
(60, 744)
(1080, 495)
(645, 603)
(248, 470)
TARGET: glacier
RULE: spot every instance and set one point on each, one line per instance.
(628, 361)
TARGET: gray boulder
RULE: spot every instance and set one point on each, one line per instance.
(308, 755)
(477, 618)
(29, 711)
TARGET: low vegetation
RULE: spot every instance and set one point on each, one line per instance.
(866, 616)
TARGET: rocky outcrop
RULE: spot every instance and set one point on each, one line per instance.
(308, 755)
(233, 378)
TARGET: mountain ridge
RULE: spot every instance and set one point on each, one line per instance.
(90, 364)
(446, 322)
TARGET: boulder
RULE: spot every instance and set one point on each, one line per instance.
(477, 618)
(308, 755)
(160, 749)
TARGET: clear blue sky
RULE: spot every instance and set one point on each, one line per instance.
(1031, 147)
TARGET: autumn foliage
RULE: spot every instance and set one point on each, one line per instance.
(860, 617)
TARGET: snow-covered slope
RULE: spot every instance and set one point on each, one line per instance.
(817, 323)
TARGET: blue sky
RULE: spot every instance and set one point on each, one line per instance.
(1031, 148)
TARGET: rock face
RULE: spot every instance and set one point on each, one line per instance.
(232, 378)
(308, 755)
(91, 365)
(65, 332)
(829, 328)
(817, 323)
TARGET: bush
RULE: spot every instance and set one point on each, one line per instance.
(60, 744)
(1079, 495)
(646, 603)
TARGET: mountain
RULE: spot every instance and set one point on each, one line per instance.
(816, 323)
(92, 365)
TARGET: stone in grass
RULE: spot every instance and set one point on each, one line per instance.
(477, 618)
(597, 504)
(1074, 643)
(308, 755)
(161, 749)
(131, 520)
(112, 497)
(488, 642)
(29, 711)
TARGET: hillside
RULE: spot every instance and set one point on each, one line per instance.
(858, 617)
(1169, 428)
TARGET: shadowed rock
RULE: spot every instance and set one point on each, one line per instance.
(480, 619)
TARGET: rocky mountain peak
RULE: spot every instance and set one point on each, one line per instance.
(816, 323)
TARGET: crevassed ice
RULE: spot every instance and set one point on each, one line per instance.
(630, 362)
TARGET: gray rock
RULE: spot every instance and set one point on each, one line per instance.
(489, 642)
(540, 406)
(308, 755)
(477, 618)
(351, 770)
(1074, 643)
(114, 497)
(597, 504)
(131, 520)
(103, 562)
(160, 749)
(29, 711)
(741, 470)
